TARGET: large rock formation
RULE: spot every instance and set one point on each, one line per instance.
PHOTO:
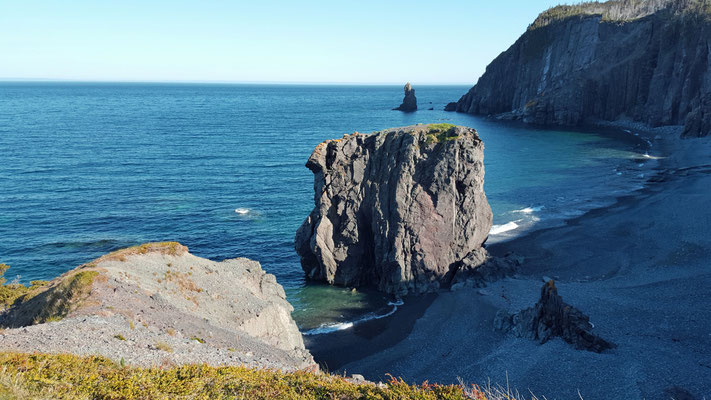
(409, 102)
(649, 61)
(155, 304)
(398, 209)
(551, 317)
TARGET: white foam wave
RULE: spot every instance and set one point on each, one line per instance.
(529, 210)
(499, 229)
(340, 326)
(242, 211)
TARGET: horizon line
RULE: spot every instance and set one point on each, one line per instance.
(227, 82)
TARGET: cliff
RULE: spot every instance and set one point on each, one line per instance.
(157, 304)
(649, 61)
(398, 209)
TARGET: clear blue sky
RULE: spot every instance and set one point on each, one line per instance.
(365, 41)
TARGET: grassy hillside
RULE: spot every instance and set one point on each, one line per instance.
(41, 376)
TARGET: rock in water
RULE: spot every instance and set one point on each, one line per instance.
(552, 317)
(397, 209)
(409, 103)
(649, 61)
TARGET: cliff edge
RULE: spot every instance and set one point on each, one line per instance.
(649, 61)
(398, 209)
(157, 304)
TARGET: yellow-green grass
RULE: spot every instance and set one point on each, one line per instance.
(30, 376)
(441, 132)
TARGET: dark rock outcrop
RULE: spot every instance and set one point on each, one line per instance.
(397, 209)
(649, 61)
(552, 317)
(409, 102)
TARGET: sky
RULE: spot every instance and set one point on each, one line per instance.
(379, 42)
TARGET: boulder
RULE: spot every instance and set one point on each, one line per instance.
(397, 209)
(409, 103)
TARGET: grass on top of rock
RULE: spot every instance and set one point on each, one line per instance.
(10, 292)
(45, 301)
(167, 248)
(622, 10)
(29, 376)
(440, 132)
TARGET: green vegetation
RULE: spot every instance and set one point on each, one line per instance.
(119, 337)
(169, 248)
(622, 10)
(64, 297)
(197, 339)
(9, 293)
(441, 132)
(43, 301)
(30, 376)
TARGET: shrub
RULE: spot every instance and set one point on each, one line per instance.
(74, 377)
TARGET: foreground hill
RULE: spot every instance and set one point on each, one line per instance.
(156, 304)
(645, 60)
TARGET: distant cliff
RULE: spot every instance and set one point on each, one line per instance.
(645, 60)
(398, 209)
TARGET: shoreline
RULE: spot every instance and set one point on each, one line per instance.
(620, 132)
(651, 140)
(379, 331)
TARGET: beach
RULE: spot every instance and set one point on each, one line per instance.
(638, 268)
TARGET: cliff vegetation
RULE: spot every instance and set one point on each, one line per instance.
(622, 10)
(25, 376)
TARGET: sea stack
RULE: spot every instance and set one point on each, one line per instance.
(645, 61)
(409, 103)
(397, 209)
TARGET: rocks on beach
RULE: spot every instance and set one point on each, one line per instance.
(398, 209)
(157, 304)
(409, 102)
(551, 317)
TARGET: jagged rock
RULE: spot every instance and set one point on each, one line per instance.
(551, 317)
(409, 103)
(398, 209)
(648, 61)
(131, 303)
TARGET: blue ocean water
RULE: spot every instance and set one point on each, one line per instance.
(87, 168)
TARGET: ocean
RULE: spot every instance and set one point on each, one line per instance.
(88, 168)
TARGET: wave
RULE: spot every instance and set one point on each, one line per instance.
(499, 229)
(340, 326)
(242, 211)
(529, 210)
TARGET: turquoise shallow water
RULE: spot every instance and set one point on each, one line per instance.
(87, 168)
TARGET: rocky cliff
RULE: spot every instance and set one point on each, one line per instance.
(649, 61)
(398, 209)
(157, 304)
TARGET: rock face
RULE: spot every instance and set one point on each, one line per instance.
(156, 304)
(649, 61)
(552, 317)
(397, 209)
(409, 103)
